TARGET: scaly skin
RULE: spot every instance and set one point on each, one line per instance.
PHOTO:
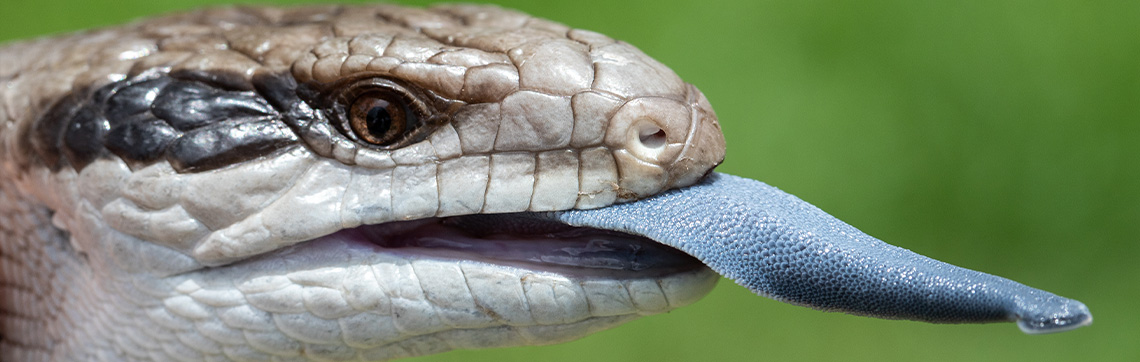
(539, 117)
(187, 188)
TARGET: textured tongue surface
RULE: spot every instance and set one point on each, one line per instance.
(782, 247)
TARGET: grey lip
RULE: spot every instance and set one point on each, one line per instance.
(783, 248)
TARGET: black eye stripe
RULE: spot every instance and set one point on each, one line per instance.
(135, 99)
(189, 105)
(194, 125)
(223, 144)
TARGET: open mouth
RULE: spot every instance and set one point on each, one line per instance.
(518, 240)
(525, 242)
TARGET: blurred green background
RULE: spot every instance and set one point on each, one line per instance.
(1001, 136)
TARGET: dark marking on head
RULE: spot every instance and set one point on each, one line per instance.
(46, 136)
(225, 143)
(196, 124)
(84, 136)
(187, 105)
(134, 99)
(142, 141)
(281, 91)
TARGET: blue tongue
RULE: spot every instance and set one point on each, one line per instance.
(783, 248)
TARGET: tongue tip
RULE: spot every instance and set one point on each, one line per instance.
(1070, 316)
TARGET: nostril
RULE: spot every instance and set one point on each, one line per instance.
(647, 140)
(651, 137)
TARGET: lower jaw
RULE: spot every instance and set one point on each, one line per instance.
(396, 300)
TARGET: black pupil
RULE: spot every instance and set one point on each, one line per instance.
(379, 120)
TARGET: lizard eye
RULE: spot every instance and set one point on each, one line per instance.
(380, 117)
(381, 113)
